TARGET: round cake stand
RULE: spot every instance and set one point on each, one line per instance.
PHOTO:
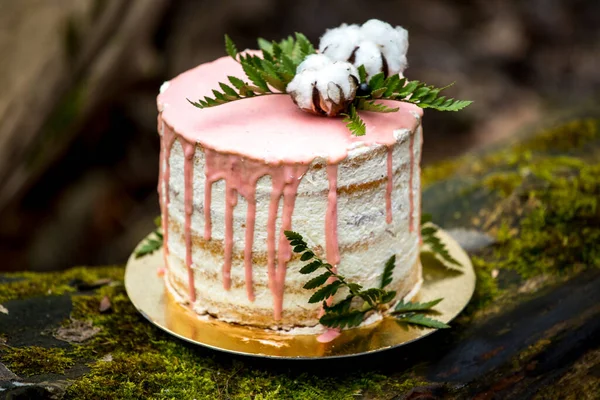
(146, 289)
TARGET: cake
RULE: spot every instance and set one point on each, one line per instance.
(233, 178)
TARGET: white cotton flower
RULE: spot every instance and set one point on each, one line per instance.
(376, 44)
(339, 43)
(314, 61)
(322, 86)
(369, 55)
(393, 43)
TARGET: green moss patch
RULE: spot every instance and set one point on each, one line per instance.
(545, 214)
(34, 360)
(29, 284)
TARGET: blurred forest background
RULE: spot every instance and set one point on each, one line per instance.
(79, 78)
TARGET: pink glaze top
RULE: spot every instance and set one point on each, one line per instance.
(267, 128)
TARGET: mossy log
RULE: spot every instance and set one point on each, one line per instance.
(527, 212)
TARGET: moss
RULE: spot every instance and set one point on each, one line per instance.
(148, 363)
(486, 288)
(34, 360)
(393, 388)
(565, 137)
(561, 227)
(547, 219)
(169, 370)
(504, 182)
(440, 171)
(29, 284)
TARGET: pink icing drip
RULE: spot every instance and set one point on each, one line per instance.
(188, 171)
(328, 336)
(231, 199)
(288, 184)
(389, 186)
(249, 241)
(411, 200)
(331, 218)
(207, 202)
(166, 143)
(273, 207)
(331, 233)
(161, 201)
(241, 176)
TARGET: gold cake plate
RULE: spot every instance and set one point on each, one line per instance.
(147, 292)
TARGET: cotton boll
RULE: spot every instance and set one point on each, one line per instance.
(377, 45)
(325, 91)
(339, 43)
(339, 74)
(393, 43)
(369, 55)
(375, 30)
(301, 89)
(313, 62)
(394, 50)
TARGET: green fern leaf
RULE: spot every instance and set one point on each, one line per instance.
(370, 105)
(305, 46)
(325, 292)
(393, 83)
(453, 105)
(341, 307)
(372, 296)
(362, 74)
(376, 94)
(425, 218)
(254, 75)
(435, 245)
(150, 245)
(291, 235)
(388, 270)
(422, 320)
(354, 123)
(317, 281)
(350, 319)
(403, 307)
(229, 91)
(376, 82)
(230, 47)
(288, 66)
(265, 46)
(311, 267)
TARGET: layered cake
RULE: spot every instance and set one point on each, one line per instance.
(233, 178)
